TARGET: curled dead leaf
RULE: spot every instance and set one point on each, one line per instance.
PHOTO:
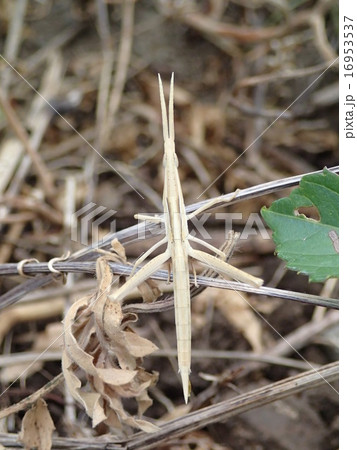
(37, 427)
(100, 344)
(118, 248)
(137, 345)
(149, 291)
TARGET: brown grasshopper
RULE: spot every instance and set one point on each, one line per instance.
(178, 248)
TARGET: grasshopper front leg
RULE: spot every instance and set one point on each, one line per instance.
(141, 275)
(146, 254)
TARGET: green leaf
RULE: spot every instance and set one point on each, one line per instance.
(307, 245)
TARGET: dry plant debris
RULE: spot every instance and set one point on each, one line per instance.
(98, 340)
(37, 427)
(241, 122)
(238, 312)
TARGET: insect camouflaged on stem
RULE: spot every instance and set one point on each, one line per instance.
(178, 248)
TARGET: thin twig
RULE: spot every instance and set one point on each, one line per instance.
(31, 399)
(123, 59)
(234, 406)
(242, 34)
(41, 169)
(225, 354)
(121, 269)
(17, 217)
(13, 39)
(28, 357)
(32, 205)
(291, 343)
(219, 412)
(285, 75)
(102, 96)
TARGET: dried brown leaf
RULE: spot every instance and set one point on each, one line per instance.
(116, 377)
(137, 345)
(89, 400)
(37, 427)
(119, 249)
(72, 348)
(99, 342)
